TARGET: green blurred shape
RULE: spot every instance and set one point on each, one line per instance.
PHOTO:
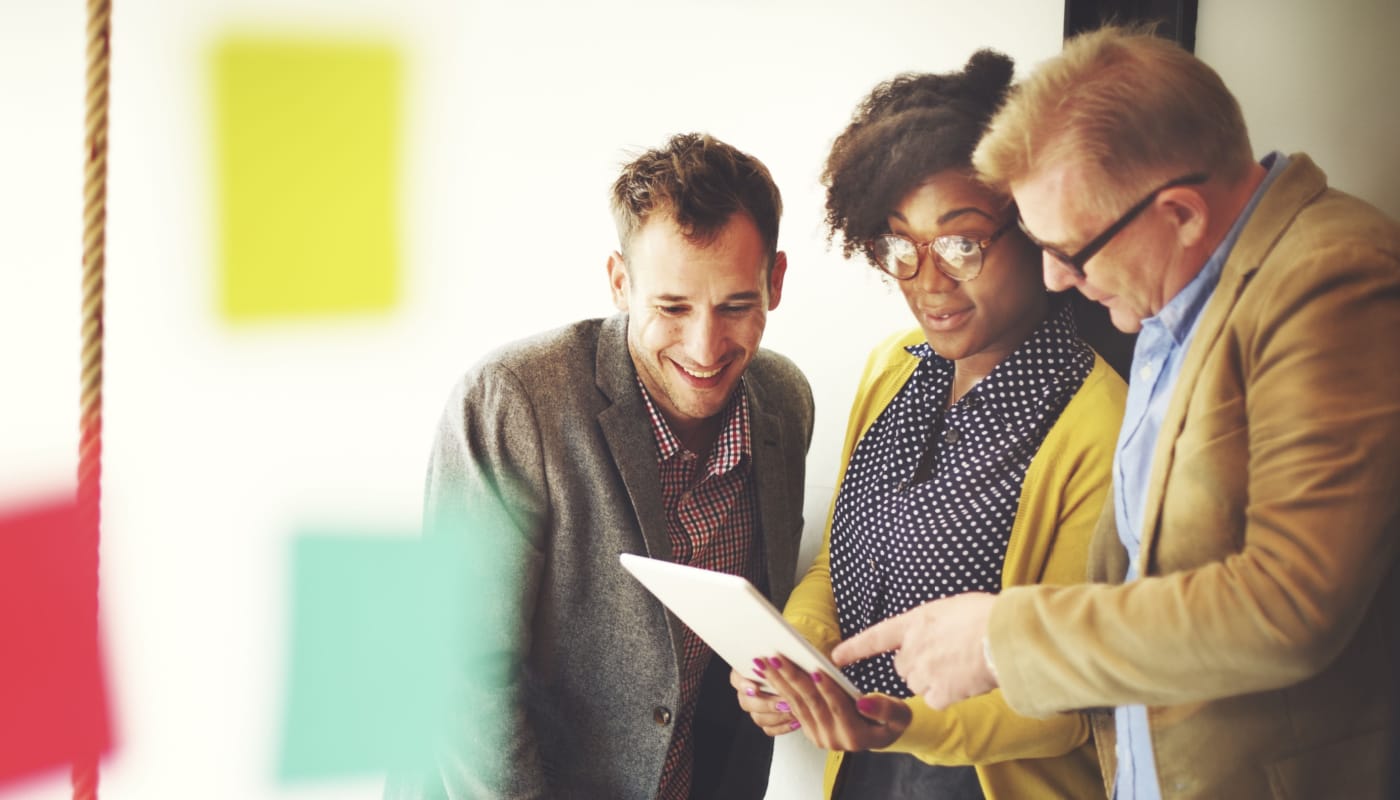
(379, 632)
(307, 145)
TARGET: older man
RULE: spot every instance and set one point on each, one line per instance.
(1242, 629)
(663, 430)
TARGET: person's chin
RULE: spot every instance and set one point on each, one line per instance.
(703, 398)
(1124, 320)
(950, 347)
(696, 406)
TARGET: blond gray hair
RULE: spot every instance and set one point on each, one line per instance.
(1126, 107)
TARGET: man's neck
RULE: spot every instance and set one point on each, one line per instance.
(699, 437)
(1226, 204)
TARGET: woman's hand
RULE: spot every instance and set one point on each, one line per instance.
(832, 719)
(769, 711)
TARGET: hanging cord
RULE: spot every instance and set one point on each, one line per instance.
(99, 13)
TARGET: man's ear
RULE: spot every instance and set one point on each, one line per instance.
(1188, 211)
(617, 280)
(775, 279)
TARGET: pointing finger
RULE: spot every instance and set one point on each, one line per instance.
(874, 640)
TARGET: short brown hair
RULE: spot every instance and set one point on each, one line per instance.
(907, 130)
(700, 182)
(1129, 107)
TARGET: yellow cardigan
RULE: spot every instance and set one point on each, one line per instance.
(1063, 493)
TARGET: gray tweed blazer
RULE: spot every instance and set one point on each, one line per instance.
(573, 672)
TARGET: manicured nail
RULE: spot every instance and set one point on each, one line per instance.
(794, 725)
(816, 677)
(783, 706)
(777, 663)
(749, 691)
(866, 705)
(759, 663)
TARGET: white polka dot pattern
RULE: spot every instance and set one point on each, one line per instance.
(898, 542)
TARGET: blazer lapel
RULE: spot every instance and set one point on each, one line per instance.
(633, 445)
(629, 436)
(1300, 182)
(770, 481)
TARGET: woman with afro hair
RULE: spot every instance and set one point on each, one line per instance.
(977, 456)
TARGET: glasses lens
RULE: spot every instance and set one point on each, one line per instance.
(896, 255)
(961, 256)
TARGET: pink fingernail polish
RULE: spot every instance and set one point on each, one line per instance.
(816, 677)
(795, 725)
(782, 706)
(777, 663)
(749, 691)
(865, 704)
(758, 662)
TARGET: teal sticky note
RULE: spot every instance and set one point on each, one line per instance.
(377, 632)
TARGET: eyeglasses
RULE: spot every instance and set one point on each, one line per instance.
(958, 257)
(1077, 261)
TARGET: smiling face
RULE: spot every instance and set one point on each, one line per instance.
(975, 323)
(696, 313)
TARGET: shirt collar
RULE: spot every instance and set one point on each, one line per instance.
(1179, 315)
(730, 447)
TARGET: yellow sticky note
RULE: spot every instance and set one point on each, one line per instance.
(308, 149)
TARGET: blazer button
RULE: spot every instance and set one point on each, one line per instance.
(661, 715)
(951, 436)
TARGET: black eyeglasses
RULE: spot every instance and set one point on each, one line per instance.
(958, 257)
(1077, 261)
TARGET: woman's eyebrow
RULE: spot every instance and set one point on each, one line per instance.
(957, 212)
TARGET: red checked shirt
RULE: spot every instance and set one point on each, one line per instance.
(711, 519)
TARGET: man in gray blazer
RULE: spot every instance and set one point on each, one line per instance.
(664, 431)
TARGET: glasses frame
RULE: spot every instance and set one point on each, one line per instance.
(927, 247)
(1075, 263)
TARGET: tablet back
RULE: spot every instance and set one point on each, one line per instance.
(731, 616)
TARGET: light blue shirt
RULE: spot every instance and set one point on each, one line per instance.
(1161, 347)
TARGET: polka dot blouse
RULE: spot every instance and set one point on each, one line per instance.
(898, 542)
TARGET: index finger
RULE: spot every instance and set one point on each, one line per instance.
(874, 640)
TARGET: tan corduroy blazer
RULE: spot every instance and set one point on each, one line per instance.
(1263, 636)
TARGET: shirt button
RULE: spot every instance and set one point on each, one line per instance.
(950, 436)
(661, 715)
(1144, 373)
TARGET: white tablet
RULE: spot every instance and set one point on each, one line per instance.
(731, 616)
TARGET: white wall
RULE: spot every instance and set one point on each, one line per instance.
(1323, 78)
(222, 440)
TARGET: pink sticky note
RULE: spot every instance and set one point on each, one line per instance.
(53, 708)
